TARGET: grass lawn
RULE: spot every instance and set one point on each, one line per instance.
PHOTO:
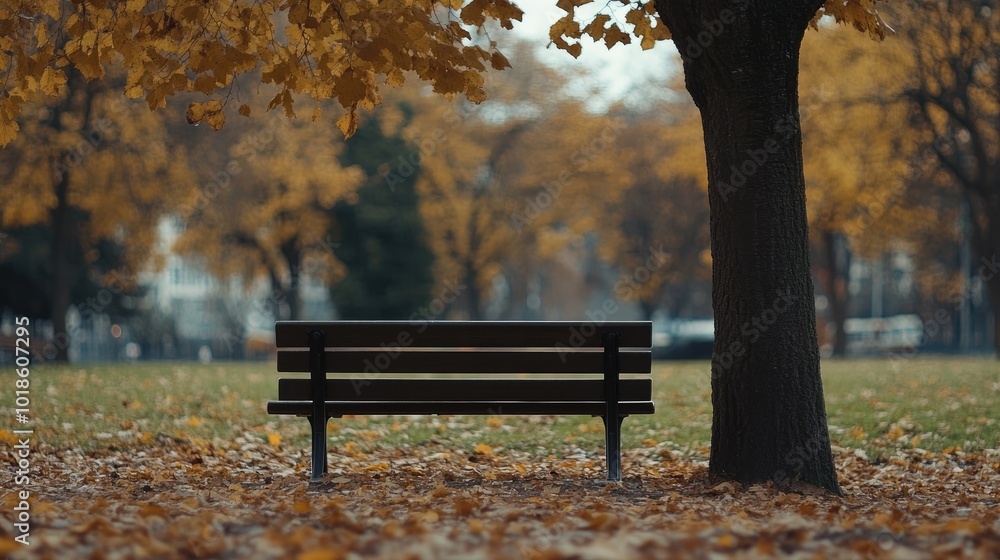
(936, 404)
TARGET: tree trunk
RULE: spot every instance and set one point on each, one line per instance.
(995, 296)
(293, 256)
(988, 262)
(988, 270)
(61, 281)
(985, 231)
(836, 290)
(648, 308)
(769, 418)
(277, 298)
(473, 296)
(64, 224)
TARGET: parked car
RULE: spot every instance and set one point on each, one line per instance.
(683, 339)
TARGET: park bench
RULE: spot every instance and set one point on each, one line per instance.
(410, 368)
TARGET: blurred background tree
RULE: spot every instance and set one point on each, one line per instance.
(84, 185)
(953, 50)
(265, 204)
(380, 238)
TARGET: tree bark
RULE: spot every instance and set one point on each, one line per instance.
(836, 290)
(769, 417)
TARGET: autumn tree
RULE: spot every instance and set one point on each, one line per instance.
(264, 202)
(507, 185)
(663, 209)
(741, 64)
(858, 149)
(741, 69)
(87, 179)
(954, 51)
(380, 237)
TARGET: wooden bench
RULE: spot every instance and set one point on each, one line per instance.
(540, 359)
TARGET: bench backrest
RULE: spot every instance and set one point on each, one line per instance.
(362, 351)
(463, 347)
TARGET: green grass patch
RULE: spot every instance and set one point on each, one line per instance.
(927, 403)
(936, 404)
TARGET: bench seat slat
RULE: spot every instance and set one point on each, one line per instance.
(453, 390)
(484, 334)
(382, 362)
(340, 408)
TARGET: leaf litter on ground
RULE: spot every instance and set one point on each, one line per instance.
(170, 497)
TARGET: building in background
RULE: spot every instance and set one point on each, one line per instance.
(206, 318)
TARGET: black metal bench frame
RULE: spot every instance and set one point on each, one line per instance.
(366, 350)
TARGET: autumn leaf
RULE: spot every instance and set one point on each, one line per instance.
(483, 449)
(348, 123)
(322, 554)
(596, 28)
(8, 131)
(210, 112)
(51, 81)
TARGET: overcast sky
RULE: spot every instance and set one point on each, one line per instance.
(614, 71)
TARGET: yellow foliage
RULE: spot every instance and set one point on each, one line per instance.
(100, 155)
(262, 209)
(857, 144)
(862, 14)
(304, 47)
(323, 49)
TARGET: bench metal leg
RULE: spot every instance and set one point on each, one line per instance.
(319, 459)
(317, 386)
(612, 420)
(613, 446)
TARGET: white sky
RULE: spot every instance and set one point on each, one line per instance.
(614, 71)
